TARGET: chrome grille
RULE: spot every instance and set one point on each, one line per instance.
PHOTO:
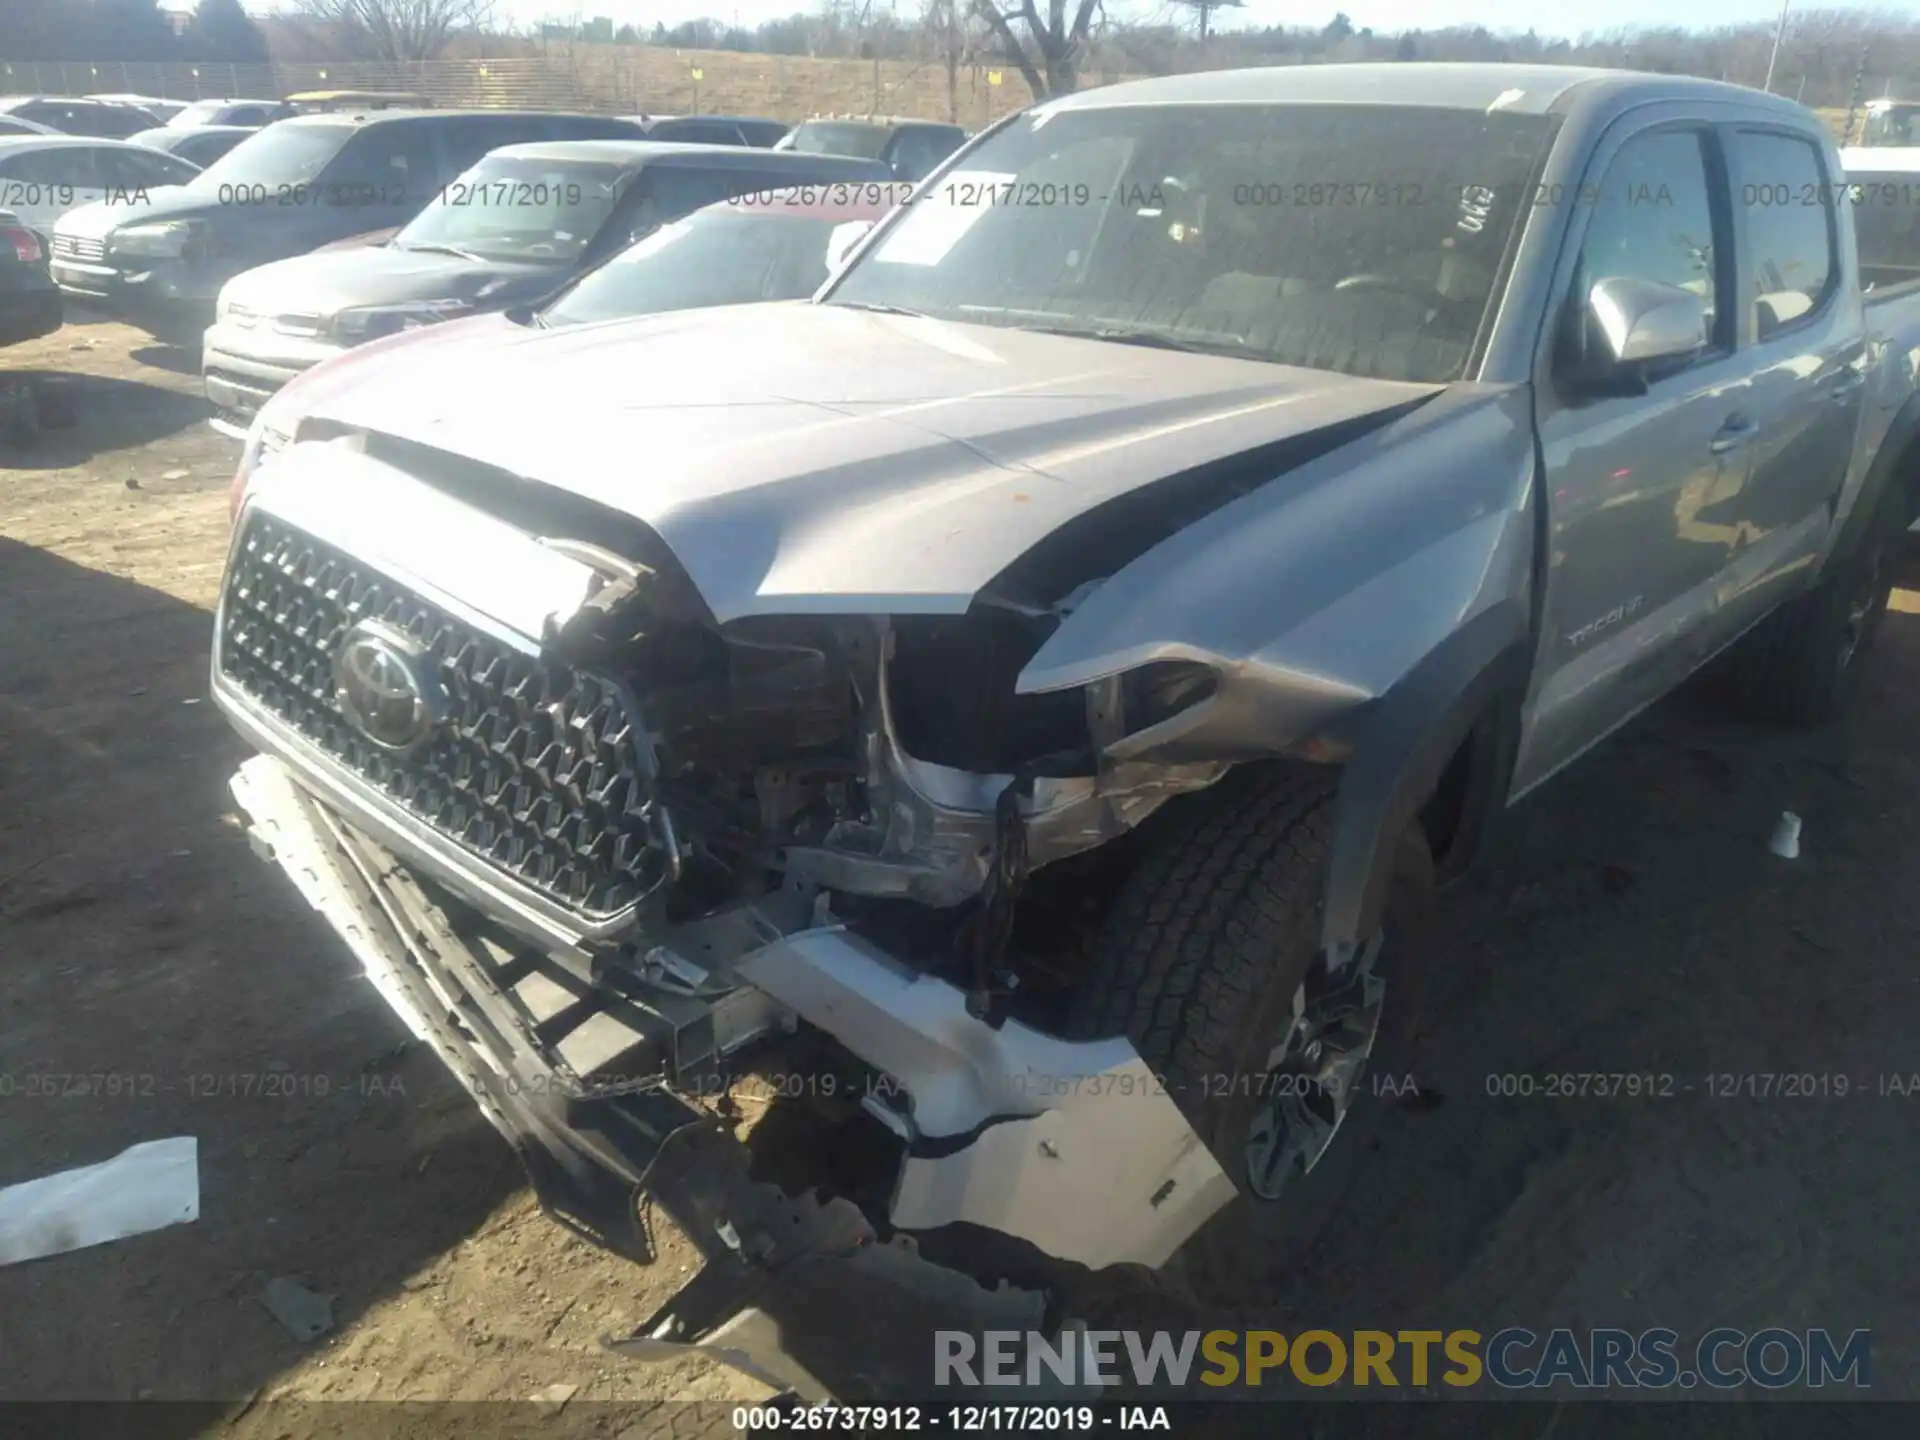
(536, 770)
(74, 247)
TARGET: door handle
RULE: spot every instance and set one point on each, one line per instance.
(1732, 435)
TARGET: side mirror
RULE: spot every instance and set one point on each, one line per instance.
(1641, 320)
(841, 242)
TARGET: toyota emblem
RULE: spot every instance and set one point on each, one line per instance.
(384, 682)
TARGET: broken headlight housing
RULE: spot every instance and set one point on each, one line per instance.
(1155, 693)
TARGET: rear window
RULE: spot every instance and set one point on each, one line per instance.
(829, 137)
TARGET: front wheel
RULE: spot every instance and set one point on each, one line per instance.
(1281, 1056)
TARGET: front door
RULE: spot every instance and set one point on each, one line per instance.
(1644, 491)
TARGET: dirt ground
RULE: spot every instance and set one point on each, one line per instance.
(1629, 919)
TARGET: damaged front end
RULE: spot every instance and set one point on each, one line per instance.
(607, 857)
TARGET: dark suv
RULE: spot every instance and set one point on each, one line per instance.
(296, 185)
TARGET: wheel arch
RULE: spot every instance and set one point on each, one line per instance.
(1458, 707)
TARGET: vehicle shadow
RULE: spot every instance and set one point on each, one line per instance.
(174, 359)
(96, 414)
(160, 981)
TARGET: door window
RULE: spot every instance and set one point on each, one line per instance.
(1651, 218)
(137, 170)
(1791, 259)
(393, 164)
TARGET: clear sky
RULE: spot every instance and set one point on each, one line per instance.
(1549, 17)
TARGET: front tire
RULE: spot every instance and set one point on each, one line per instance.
(1211, 964)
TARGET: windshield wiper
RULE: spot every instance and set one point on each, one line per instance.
(433, 249)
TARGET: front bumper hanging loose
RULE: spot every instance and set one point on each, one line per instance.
(1039, 1138)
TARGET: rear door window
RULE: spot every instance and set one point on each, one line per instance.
(1791, 262)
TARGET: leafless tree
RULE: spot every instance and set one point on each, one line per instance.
(1050, 50)
(397, 29)
(950, 27)
(1203, 10)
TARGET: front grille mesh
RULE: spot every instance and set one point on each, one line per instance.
(536, 770)
(73, 247)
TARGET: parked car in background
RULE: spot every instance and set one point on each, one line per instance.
(161, 109)
(777, 245)
(714, 129)
(1885, 189)
(251, 113)
(1891, 124)
(510, 230)
(291, 187)
(910, 148)
(14, 125)
(198, 144)
(44, 177)
(331, 102)
(29, 301)
(107, 120)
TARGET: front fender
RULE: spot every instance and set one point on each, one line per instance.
(1379, 595)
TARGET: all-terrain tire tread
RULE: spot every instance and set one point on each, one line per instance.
(1188, 948)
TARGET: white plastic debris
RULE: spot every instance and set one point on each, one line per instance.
(1786, 836)
(145, 1187)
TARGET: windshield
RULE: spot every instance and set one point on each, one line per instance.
(517, 208)
(1363, 239)
(727, 254)
(283, 154)
(827, 137)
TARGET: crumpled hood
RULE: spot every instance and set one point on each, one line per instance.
(95, 219)
(329, 281)
(802, 458)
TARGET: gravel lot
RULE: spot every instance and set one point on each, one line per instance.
(1629, 920)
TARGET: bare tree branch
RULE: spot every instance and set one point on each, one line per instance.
(396, 29)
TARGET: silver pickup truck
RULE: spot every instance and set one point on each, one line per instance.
(1024, 698)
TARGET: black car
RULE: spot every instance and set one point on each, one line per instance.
(29, 302)
(750, 130)
(911, 149)
(520, 224)
(101, 119)
(289, 188)
(198, 144)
